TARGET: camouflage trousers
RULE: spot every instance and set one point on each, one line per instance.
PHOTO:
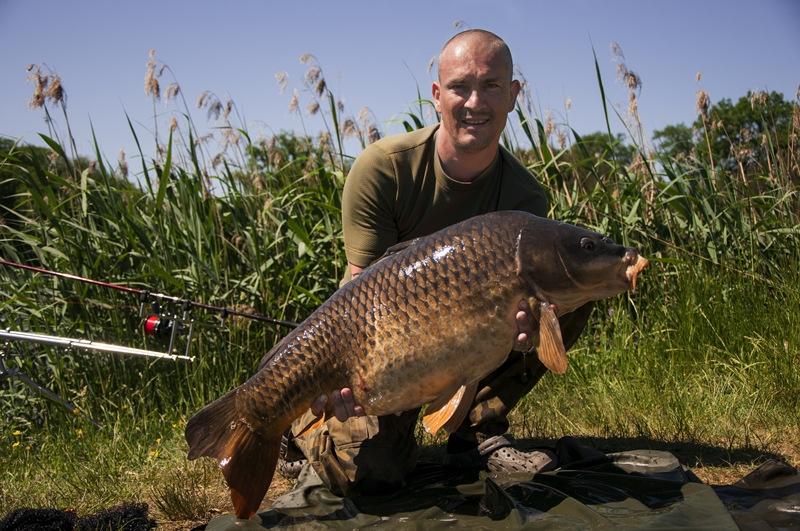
(372, 455)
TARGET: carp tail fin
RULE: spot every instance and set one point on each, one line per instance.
(249, 473)
(551, 349)
(247, 459)
(449, 410)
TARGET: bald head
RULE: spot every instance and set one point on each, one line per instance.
(472, 39)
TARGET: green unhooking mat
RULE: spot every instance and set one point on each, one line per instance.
(641, 489)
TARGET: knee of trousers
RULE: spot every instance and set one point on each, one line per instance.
(366, 455)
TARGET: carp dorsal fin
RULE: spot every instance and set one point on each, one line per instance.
(449, 410)
(394, 249)
(551, 347)
(268, 356)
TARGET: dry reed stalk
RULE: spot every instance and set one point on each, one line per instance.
(283, 81)
(123, 164)
(49, 87)
(634, 85)
(702, 105)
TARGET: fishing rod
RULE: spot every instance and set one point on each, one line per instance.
(144, 295)
(161, 326)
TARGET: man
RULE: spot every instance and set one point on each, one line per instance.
(411, 185)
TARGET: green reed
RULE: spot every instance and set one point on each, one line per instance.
(705, 350)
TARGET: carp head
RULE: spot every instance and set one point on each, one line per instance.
(565, 267)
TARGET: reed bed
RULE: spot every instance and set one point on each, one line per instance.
(704, 353)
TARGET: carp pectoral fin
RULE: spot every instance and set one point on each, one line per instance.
(551, 347)
(449, 410)
(247, 459)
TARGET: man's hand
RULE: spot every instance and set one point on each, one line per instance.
(344, 405)
(525, 333)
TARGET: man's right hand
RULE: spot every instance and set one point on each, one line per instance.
(344, 405)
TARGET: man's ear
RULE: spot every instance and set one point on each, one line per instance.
(436, 92)
(515, 88)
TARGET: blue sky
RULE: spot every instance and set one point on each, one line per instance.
(375, 54)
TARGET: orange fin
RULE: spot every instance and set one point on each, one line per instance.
(551, 347)
(249, 473)
(247, 459)
(449, 410)
(318, 421)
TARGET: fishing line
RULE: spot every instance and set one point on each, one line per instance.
(71, 303)
(162, 326)
(145, 294)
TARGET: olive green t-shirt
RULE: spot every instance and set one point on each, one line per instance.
(397, 191)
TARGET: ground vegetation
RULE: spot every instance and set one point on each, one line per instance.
(702, 359)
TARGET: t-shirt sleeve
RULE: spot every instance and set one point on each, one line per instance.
(368, 207)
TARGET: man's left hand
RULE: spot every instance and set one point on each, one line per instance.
(525, 329)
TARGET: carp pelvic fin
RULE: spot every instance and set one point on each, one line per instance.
(318, 422)
(551, 349)
(246, 458)
(450, 409)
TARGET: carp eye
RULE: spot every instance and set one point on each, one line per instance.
(587, 244)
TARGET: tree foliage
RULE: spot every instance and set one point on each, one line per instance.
(674, 140)
(736, 136)
(740, 133)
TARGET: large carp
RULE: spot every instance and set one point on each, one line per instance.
(420, 326)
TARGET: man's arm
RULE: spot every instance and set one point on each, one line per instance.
(355, 270)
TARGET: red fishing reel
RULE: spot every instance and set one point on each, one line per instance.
(163, 326)
(158, 327)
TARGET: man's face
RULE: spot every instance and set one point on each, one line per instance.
(474, 95)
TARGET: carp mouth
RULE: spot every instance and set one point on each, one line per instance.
(636, 266)
(624, 278)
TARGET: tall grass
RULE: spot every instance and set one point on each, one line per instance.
(705, 350)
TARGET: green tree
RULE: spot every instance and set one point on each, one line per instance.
(599, 146)
(591, 160)
(674, 140)
(740, 133)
